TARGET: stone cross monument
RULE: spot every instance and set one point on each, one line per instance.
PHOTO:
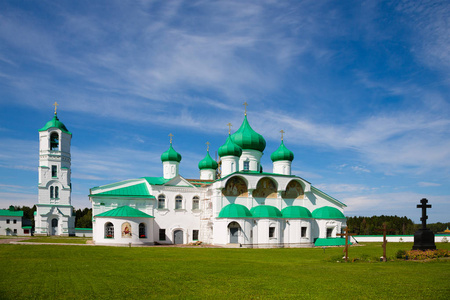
(424, 237)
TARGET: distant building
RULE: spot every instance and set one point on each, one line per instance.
(11, 223)
(233, 203)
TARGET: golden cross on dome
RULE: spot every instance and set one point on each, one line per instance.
(245, 104)
(171, 136)
(207, 146)
(282, 132)
(229, 128)
(56, 105)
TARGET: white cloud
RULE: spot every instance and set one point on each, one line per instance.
(428, 184)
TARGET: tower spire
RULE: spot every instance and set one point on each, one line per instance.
(171, 136)
(207, 146)
(229, 128)
(282, 132)
(245, 105)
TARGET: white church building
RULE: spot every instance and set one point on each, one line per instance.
(233, 203)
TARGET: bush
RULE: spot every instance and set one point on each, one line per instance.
(401, 254)
(427, 254)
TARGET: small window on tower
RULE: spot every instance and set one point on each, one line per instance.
(246, 165)
(54, 141)
(52, 195)
(56, 192)
(54, 171)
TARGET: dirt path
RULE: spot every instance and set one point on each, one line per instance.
(7, 241)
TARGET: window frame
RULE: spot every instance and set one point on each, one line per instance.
(162, 231)
(179, 202)
(196, 199)
(195, 233)
(142, 231)
(109, 230)
(163, 198)
(57, 141)
(303, 231)
(54, 171)
(272, 230)
(246, 166)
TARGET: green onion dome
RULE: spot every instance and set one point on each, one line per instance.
(235, 211)
(282, 153)
(208, 163)
(266, 211)
(171, 155)
(295, 212)
(328, 212)
(247, 138)
(55, 123)
(229, 149)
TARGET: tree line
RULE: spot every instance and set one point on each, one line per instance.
(395, 225)
(83, 217)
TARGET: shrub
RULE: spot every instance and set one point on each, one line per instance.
(427, 254)
(401, 254)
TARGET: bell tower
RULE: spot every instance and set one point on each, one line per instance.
(54, 208)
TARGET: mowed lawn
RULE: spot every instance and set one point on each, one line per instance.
(94, 272)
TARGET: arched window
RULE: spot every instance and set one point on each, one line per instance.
(179, 202)
(161, 201)
(56, 192)
(196, 202)
(109, 230)
(142, 231)
(54, 141)
(51, 193)
(246, 165)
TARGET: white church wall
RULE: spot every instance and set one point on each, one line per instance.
(101, 237)
(293, 232)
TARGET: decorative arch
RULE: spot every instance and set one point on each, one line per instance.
(235, 187)
(266, 188)
(294, 190)
(234, 230)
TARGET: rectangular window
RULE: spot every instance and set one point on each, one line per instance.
(303, 232)
(178, 203)
(54, 171)
(195, 235)
(329, 232)
(162, 234)
(15, 231)
(246, 165)
(7, 221)
(14, 221)
(26, 231)
(271, 232)
(161, 203)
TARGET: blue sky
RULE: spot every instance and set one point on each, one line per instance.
(361, 89)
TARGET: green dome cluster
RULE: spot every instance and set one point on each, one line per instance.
(282, 153)
(55, 123)
(208, 163)
(294, 212)
(171, 155)
(247, 138)
(229, 149)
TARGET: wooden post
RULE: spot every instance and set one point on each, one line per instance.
(346, 234)
(385, 230)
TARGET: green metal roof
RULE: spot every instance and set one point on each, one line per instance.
(156, 180)
(208, 163)
(171, 155)
(137, 190)
(55, 123)
(11, 212)
(87, 229)
(124, 211)
(246, 138)
(294, 212)
(330, 242)
(282, 153)
(26, 227)
(235, 211)
(266, 211)
(328, 212)
(229, 148)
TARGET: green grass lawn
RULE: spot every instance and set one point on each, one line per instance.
(51, 271)
(58, 240)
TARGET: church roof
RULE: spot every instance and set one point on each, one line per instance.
(328, 212)
(265, 211)
(248, 139)
(124, 211)
(229, 148)
(156, 180)
(171, 155)
(55, 123)
(282, 153)
(11, 212)
(135, 191)
(235, 211)
(294, 212)
(207, 163)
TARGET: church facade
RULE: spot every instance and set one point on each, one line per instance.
(233, 203)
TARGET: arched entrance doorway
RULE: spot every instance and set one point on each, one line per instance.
(234, 230)
(54, 230)
(178, 237)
